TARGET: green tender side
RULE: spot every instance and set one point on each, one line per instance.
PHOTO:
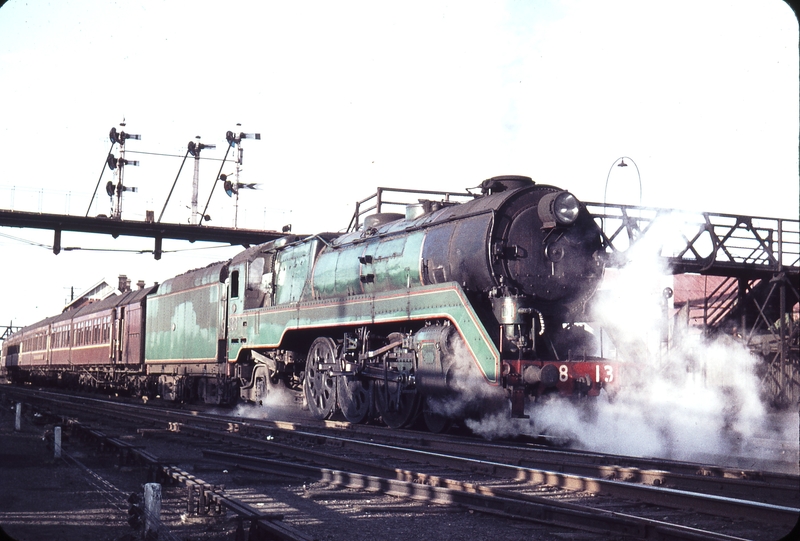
(185, 318)
(266, 327)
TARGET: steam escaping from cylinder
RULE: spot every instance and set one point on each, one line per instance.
(280, 403)
(470, 394)
(482, 408)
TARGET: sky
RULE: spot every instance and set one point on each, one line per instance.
(701, 96)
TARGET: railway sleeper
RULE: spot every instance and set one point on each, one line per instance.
(127, 453)
(204, 497)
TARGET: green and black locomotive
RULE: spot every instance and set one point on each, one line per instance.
(404, 312)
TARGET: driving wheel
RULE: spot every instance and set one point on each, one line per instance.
(397, 406)
(319, 386)
(355, 398)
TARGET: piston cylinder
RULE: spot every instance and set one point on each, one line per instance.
(435, 355)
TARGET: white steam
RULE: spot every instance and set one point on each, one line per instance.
(674, 413)
(471, 391)
(280, 403)
(688, 398)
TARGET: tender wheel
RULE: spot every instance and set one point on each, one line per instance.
(355, 398)
(319, 387)
(397, 408)
(435, 422)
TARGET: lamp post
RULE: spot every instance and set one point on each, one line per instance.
(620, 162)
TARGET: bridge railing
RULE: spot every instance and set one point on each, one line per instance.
(701, 242)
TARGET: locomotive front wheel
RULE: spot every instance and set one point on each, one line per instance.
(318, 386)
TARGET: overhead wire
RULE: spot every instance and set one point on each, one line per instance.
(26, 241)
(168, 155)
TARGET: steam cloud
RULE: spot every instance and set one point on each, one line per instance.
(280, 403)
(471, 393)
(700, 400)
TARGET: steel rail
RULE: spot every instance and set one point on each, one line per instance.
(436, 490)
(270, 523)
(682, 492)
(772, 487)
(422, 487)
(658, 495)
(686, 491)
(205, 493)
(629, 468)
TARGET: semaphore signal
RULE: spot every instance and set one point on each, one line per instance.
(194, 149)
(119, 171)
(117, 165)
(233, 187)
(116, 188)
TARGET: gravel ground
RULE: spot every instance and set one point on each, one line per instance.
(46, 499)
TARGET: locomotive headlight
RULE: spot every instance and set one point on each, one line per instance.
(566, 208)
(559, 208)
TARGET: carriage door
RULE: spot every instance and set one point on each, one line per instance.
(132, 325)
(116, 335)
(237, 335)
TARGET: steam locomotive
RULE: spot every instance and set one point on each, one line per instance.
(450, 310)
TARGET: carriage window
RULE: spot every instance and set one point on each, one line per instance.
(235, 284)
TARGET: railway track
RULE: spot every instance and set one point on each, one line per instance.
(594, 492)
